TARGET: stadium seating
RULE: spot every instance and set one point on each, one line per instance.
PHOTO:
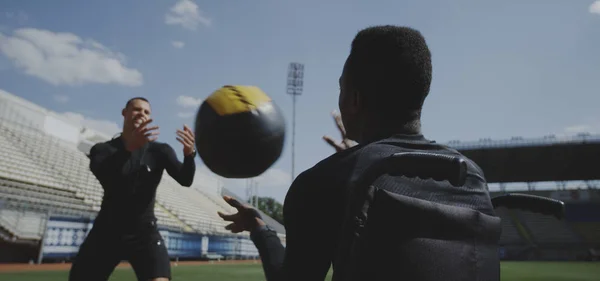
(510, 233)
(547, 229)
(44, 173)
(590, 231)
(585, 220)
(23, 224)
(57, 201)
(19, 166)
(193, 207)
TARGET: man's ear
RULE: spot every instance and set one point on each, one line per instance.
(123, 111)
(356, 101)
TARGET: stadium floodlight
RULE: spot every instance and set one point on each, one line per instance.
(295, 83)
(252, 192)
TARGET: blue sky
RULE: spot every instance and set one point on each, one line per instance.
(501, 68)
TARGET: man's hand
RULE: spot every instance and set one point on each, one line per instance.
(141, 134)
(187, 138)
(346, 142)
(246, 219)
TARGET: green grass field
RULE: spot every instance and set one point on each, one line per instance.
(511, 271)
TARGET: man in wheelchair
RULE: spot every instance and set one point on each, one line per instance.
(417, 228)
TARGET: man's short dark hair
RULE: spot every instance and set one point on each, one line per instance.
(136, 98)
(391, 67)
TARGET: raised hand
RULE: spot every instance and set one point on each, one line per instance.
(346, 142)
(246, 219)
(187, 138)
(142, 134)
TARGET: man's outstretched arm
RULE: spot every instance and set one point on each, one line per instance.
(271, 251)
(184, 172)
(309, 235)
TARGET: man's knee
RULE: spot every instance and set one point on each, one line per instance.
(160, 279)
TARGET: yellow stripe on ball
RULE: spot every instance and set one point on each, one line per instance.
(236, 99)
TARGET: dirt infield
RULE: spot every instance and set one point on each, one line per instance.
(19, 267)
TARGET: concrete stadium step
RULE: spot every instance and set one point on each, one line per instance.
(522, 228)
(590, 231)
(37, 194)
(166, 211)
(46, 202)
(43, 189)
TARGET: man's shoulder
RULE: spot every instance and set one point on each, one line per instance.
(364, 153)
(335, 164)
(103, 146)
(321, 184)
(158, 146)
(347, 165)
(363, 156)
(101, 150)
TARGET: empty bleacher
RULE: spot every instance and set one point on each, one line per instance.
(510, 233)
(546, 229)
(16, 193)
(585, 220)
(191, 206)
(67, 166)
(23, 224)
(65, 162)
(43, 173)
(590, 231)
(17, 165)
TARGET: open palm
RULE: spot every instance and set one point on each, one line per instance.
(246, 219)
(345, 143)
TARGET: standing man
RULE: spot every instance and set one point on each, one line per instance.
(383, 86)
(130, 168)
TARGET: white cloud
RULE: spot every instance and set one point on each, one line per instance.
(64, 58)
(61, 98)
(186, 14)
(178, 44)
(188, 102)
(106, 127)
(595, 8)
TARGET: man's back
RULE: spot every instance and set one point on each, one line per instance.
(422, 241)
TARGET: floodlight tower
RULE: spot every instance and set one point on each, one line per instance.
(252, 191)
(295, 82)
(249, 192)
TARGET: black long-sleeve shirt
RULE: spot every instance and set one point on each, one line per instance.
(314, 209)
(130, 180)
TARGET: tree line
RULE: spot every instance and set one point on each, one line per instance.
(269, 206)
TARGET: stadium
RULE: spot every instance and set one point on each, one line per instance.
(49, 198)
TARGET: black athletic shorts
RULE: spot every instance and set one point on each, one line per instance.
(104, 248)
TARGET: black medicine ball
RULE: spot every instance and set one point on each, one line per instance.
(239, 132)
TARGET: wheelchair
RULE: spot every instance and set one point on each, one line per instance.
(366, 196)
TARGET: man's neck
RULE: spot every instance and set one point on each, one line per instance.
(374, 131)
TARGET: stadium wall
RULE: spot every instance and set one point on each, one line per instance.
(64, 235)
(17, 252)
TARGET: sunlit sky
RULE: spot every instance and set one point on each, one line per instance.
(501, 68)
